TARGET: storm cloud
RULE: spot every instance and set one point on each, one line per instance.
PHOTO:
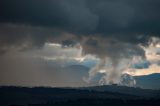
(112, 29)
(128, 20)
(85, 16)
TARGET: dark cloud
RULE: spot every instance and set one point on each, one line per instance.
(69, 15)
(27, 37)
(105, 28)
(85, 16)
(32, 23)
(112, 48)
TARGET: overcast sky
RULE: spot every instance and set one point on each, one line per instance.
(78, 42)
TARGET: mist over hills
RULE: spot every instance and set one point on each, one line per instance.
(150, 81)
(146, 92)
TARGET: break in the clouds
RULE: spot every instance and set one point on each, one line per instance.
(104, 36)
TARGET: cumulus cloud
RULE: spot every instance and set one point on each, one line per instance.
(151, 64)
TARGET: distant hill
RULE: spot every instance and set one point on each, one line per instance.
(111, 95)
(39, 95)
(125, 90)
(151, 81)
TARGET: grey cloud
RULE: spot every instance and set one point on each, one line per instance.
(113, 15)
(27, 37)
(123, 20)
(112, 48)
(85, 16)
(68, 15)
(105, 28)
(26, 68)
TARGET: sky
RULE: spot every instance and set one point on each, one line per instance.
(78, 42)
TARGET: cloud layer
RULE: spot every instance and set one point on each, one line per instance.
(110, 30)
(85, 15)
